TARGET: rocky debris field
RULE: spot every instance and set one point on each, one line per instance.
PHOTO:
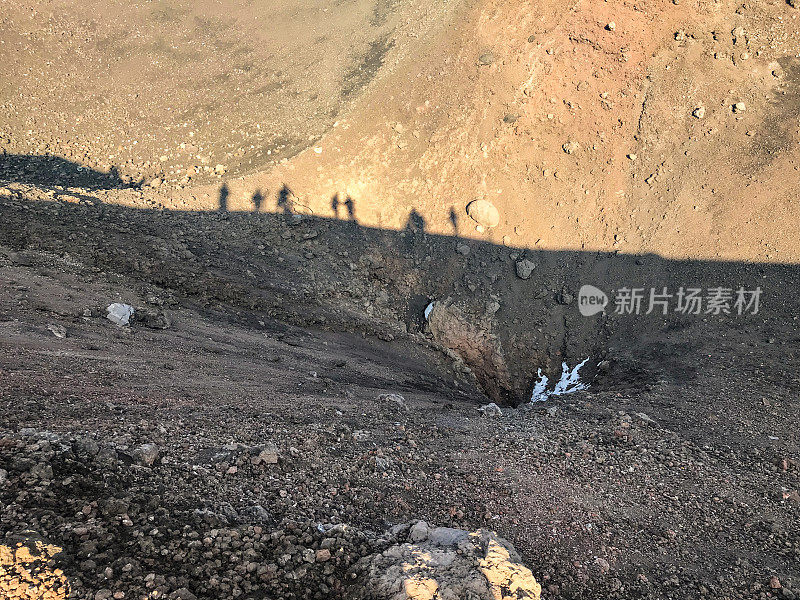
(123, 533)
(133, 528)
(175, 473)
(601, 503)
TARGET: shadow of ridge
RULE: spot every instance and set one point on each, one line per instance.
(52, 171)
(494, 324)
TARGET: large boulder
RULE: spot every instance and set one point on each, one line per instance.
(443, 563)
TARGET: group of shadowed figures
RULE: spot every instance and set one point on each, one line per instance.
(415, 224)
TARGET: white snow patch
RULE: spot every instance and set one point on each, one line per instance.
(569, 383)
(428, 310)
(540, 389)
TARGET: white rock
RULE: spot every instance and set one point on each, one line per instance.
(57, 330)
(484, 213)
(491, 410)
(119, 314)
(645, 417)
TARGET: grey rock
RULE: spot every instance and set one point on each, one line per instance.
(152, 318)
(447, 536)
(393, 399)
(266, 454)
(87, 446)
(492, 306)
(42, 471)
(183, 594)
(120, 314)
(400, 528)
(645, 417)
(57, 330)
(525, 268)
(419, 532)
(146, 454)
(255, 514)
